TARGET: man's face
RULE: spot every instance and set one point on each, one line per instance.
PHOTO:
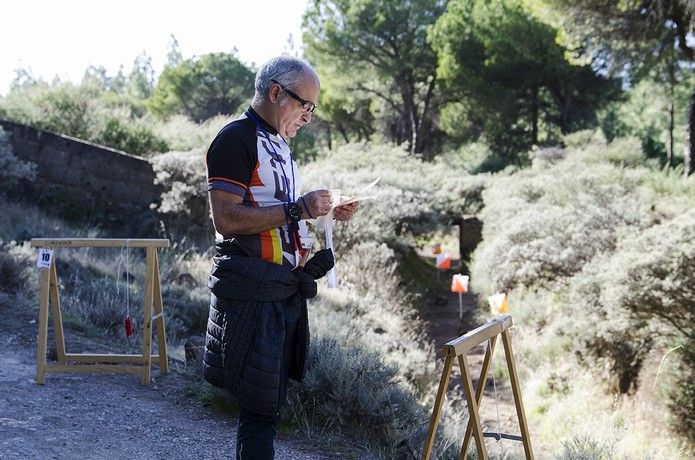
(291, 114)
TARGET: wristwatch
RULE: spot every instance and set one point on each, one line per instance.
(294, 212)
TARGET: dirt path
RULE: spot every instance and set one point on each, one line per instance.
(443, 325)
(102, 416)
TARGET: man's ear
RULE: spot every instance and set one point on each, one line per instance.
(274, 93)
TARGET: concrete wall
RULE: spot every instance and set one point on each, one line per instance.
(115, 183)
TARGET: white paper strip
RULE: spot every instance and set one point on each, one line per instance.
(328, 228)
(326, 222)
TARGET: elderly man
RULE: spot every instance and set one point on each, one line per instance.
(257, 334)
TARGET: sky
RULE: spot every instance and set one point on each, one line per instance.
(65, 37)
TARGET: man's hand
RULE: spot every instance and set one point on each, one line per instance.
(317, 203)
(346, 211)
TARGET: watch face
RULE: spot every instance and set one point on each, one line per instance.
(294, 211)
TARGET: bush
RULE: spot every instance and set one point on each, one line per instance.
(651, 278)
(352, 391)
(86, 112)
(541, 227)
(371, 311)
(15, 265)
(184, 199)
(682, 394)
(182, 134)
(607, 339)
(653, 275)
(62, 108)
(623, 152)
(593, 246)
(585, 448)
(94, 289)
(187, 309)
(413, 196)
(133, 138)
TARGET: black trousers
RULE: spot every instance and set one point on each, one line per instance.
(256, 432)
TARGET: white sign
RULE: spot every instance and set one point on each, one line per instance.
(45, 258)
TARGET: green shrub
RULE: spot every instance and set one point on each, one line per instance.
(186, 309)
(586, 448)
(653, 275)
(624, 152)
(15, 265)
(413, 196)
(542, 227)
(352, 391)
(682, 394)
(133, 138)
(184, 199)
(560, 223)
(22, 221)
(582, 139)
(94, 292)
(63, 108)
(182, 134)
(607, 339)
(86, 112)
(637, 297)
(593, 245)
(371, 311)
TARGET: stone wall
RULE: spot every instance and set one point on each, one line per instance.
(109, 183)
(470, 235)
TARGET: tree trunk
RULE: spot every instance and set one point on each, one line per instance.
(409, 121)
(690, 139)
(672, 84)
(534, 115)
(329, 136)
(343, 132)
(413, 132)
(424, 131)
(565, 106)
(669, 154)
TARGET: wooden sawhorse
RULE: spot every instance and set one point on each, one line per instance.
(458, 348)
(108, 363)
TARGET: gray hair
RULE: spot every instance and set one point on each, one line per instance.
(286, 70)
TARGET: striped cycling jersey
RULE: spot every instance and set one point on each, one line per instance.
(251, 160)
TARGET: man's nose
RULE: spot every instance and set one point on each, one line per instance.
(306, 117)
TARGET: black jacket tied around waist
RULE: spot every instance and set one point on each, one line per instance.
(246, 330)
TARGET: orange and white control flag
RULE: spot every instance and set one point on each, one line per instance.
(498, 304)
(459, 283)
(443, 261)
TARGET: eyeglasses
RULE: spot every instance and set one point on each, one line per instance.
(308, 106)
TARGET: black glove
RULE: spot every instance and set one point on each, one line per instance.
(307, 285)
(319, 264)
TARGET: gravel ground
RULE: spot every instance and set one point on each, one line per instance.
(105, 416)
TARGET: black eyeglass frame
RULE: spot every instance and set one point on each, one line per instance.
(304, 102)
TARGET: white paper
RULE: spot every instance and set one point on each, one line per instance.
(360, 196)
(326, 222)
(45, 257)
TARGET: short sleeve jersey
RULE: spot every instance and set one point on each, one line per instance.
(251, 160)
